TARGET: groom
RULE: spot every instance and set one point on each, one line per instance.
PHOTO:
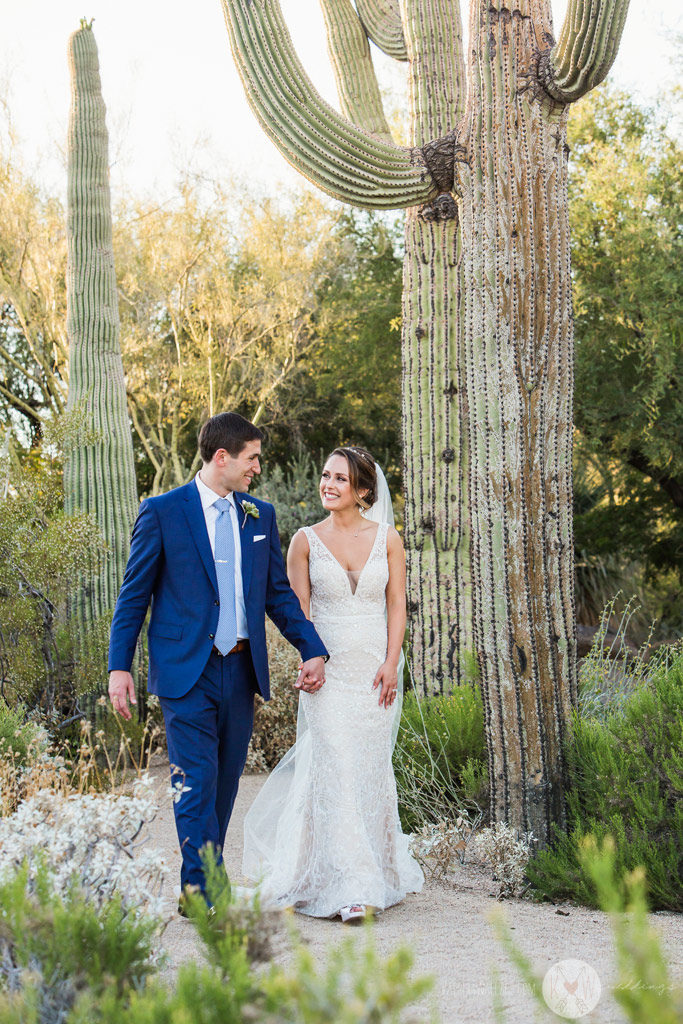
(208, 560)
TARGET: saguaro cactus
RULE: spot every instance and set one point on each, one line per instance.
(98, 477)
(487, 333)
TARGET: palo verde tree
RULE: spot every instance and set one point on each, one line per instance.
(99, 473)
(487, 327)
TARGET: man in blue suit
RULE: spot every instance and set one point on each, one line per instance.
(208, 559)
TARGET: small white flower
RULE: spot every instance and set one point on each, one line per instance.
(177, 790)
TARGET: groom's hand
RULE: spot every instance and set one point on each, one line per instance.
(121, 686)
(311, 675)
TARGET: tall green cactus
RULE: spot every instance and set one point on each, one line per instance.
(98, 477)
(487, 331)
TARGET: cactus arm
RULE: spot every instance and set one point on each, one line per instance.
(435, 53)
(382, 22)
(341, 159)
(584, 53)
(349, 51)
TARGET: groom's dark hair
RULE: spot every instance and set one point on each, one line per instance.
(227, 430)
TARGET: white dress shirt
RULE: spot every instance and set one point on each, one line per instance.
(210, 516)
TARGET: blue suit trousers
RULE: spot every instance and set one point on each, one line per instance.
(208, 731)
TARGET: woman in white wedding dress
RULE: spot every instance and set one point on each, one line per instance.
(324, 835)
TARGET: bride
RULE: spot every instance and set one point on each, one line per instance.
(323, 835)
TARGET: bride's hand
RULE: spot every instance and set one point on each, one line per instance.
(387, 678)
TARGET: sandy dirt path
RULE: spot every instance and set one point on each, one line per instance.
(447, 928)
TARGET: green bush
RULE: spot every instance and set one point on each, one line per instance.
(53, 947)
(356, 986)
(625, 774)
(440, 759)
(18, 736)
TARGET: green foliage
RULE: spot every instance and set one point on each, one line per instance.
(643, 988)
(230, 926)
(18, 736)
(57, 945)
(626, 191)
(355, 986)
(625, 772)
(440, 759)
(200, 996)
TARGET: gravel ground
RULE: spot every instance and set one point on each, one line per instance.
(449, 932)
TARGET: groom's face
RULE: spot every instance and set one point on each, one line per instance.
(237, 471)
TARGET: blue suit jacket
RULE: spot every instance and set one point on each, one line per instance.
(171, 565)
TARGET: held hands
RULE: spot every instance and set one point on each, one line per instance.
(311, 675)
(387, 678)
(121, 687)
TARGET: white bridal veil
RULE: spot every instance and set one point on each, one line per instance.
(274, 820)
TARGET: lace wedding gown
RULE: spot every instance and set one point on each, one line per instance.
(324, 831)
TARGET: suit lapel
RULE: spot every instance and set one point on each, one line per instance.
(246, 528)
(194, 513)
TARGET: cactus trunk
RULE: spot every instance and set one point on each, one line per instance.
(99, 477)
(516, 353)
(487, 340)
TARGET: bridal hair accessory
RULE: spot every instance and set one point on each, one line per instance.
(249, 509)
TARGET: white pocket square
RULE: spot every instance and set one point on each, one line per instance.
(260, 536)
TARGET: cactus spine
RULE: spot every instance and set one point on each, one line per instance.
(99, 477)
(487, 337)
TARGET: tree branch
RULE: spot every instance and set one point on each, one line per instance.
(586, 49)
(334, 154)
(20, 405)
(382, 21)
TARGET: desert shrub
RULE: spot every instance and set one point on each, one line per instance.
(355, 987)
(19, 739)
(54, 944)
(44, 660)
(438, 845)
(234, 922)
(507, 854)
(275, 720)
(440, 758)
(59, 838)
(84, 764)
(613, 669)
(625, 775)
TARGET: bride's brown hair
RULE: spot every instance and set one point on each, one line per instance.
(362, 474)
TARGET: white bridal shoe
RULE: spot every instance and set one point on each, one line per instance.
(354, 912)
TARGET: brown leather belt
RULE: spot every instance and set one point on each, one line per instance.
(241, 645)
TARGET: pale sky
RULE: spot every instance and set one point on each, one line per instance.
(171, 88)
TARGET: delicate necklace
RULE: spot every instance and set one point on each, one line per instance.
(347, 533)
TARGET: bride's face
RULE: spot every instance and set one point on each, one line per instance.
(335, 486)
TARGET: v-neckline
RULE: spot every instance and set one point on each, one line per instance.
(346, 571)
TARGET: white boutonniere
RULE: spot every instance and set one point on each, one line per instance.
(249, 509)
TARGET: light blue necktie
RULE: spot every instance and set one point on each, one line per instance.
(224, 555)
